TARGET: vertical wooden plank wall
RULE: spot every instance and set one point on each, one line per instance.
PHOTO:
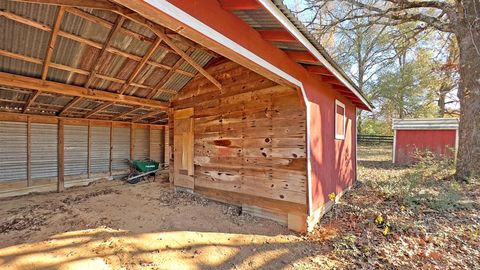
(249, 141)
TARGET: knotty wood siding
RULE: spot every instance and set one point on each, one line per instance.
(249, 136)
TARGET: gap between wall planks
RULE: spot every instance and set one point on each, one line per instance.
(61, 122)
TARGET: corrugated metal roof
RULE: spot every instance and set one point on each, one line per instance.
(26, 40)
(425, 123)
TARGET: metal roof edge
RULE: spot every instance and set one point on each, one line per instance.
(299, 31)
(425, 123)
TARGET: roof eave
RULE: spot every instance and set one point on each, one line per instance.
(287, 23)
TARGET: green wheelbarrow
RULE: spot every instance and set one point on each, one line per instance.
(141, 168)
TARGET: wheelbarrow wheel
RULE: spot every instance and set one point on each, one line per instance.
(135, 180)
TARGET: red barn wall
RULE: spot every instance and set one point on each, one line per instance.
(407, 142)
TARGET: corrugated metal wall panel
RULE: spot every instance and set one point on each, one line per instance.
(157, 145)
(100, 151)
(120, 148)
(166, 157)
(76, 147)
(141, 143)
(44, 150)
(13, 149)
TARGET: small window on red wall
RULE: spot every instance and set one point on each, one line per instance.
(340, 120)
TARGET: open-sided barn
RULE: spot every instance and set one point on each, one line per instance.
(237, 96)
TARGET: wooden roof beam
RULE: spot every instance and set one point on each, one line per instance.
(134, 109)
(69, 105)
(118, 23)
(332, 80)
(18, 81)
(279, 35)
(302, 56)
(96, 4)
(233, 5)
(88, 42)
(161, 119)
(150, 114)
(187, 58)
(140, 65)
(161, 83)
(48, 54)
(319, 70)
(99, 109)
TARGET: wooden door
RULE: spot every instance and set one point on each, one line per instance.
(183, 148)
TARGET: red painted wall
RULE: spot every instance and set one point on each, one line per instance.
(333, 161)
(407, 142)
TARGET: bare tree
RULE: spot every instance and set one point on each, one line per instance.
(459, 17)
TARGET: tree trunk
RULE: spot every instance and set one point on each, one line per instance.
(441, 102)
(468, 160)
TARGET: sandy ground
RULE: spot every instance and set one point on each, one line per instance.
(114, 225)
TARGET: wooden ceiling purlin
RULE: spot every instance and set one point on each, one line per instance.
(121, 115)
(85, 41)
(147, 115)
(277, 35)
(174, 44)
(99, 109)
(233, 5)
(96, 4)
(48, 54)
(140, 65)
(24, 82)
(160, 32)
(159, 86)
(187, 57)
(96, 64)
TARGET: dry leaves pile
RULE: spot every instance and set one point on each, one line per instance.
(434, 221)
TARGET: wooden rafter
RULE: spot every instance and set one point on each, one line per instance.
(48, 54)
(188, 58)
(85, 41)
(134, 109)
(140, 65)
(279, 35)
(52, 41)
(162, 119)
(70, 105)
(167, 76)
(97, 4)
(240, 5)
(150, 114)
(159, 31)
(99, 109)
(95, 66)
(78, 71)
(19, 81)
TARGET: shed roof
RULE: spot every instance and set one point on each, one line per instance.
(425, 123)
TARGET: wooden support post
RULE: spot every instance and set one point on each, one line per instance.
(60, 157)
(150, 142)
(132, 141)
(111, 149)
(29, 151)
(89, 149)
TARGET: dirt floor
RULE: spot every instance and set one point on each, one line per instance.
(112, 225)
(395, 218)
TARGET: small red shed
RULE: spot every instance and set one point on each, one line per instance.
(438, 135)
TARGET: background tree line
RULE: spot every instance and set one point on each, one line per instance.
(412, 58)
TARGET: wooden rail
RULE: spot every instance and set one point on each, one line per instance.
(374, 139)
